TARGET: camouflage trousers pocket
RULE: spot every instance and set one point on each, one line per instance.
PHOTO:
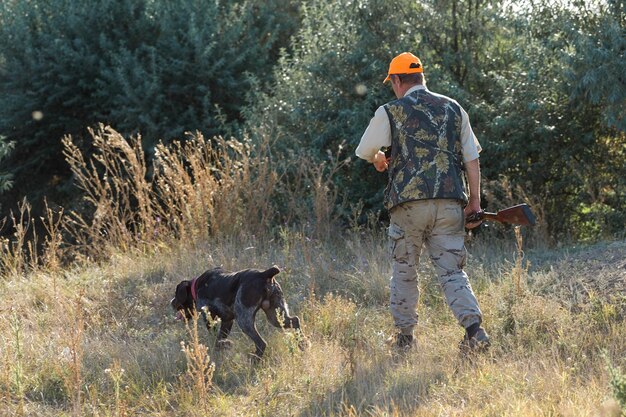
(397, 242)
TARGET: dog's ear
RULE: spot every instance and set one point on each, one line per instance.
(183, 291)
(269, 274)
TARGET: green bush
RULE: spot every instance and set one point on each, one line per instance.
(158, 68)
(558, 132)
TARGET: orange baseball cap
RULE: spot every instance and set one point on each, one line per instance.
(405, 63)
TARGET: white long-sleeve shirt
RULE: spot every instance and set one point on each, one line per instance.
(378, 134)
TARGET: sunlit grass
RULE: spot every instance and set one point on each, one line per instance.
(72, 347)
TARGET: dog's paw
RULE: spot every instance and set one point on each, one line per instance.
(223, 344)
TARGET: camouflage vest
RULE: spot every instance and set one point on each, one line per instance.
(426, 158)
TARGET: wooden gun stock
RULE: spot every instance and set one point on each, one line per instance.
(520, 215)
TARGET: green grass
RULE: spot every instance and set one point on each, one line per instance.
(100, 339)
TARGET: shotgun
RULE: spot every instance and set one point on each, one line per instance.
(520, 215)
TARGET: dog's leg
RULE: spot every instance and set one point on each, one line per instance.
(245, 320)
(225, 327)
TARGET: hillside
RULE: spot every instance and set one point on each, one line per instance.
(102, 340)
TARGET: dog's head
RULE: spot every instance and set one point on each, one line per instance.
(182, 302)
(275, 296)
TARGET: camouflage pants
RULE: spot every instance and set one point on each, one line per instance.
(437, 225)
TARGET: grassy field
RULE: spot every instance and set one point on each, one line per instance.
(86, 328)
(100, 340)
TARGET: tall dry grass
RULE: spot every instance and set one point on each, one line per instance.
(194, 190)
(20, 250)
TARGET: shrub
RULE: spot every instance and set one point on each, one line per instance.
(155, 67)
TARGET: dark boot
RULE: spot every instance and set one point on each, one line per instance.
(479, 342)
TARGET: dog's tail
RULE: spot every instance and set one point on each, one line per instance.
(269, 274)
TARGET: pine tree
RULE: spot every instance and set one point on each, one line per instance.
(157, 68)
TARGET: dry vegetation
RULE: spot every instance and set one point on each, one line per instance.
(96, 337)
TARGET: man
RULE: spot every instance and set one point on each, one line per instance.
(431, 144)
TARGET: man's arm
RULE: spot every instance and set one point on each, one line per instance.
(472, 168)
(376, 136)
(469, 143)
(471, 148)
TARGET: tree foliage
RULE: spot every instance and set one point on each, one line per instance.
(549, 126)
(543, 84)
(327, 89)
(155, 67)
(559, 133)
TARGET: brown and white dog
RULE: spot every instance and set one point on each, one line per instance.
(235, 296)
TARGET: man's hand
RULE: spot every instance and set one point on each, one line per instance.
(472, 207)
(380, 162)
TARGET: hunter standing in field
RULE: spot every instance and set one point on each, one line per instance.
(431, 143)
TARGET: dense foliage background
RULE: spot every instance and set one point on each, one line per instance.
(543, 83)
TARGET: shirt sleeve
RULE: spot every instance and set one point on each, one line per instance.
(469, 144)
(376, 136)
